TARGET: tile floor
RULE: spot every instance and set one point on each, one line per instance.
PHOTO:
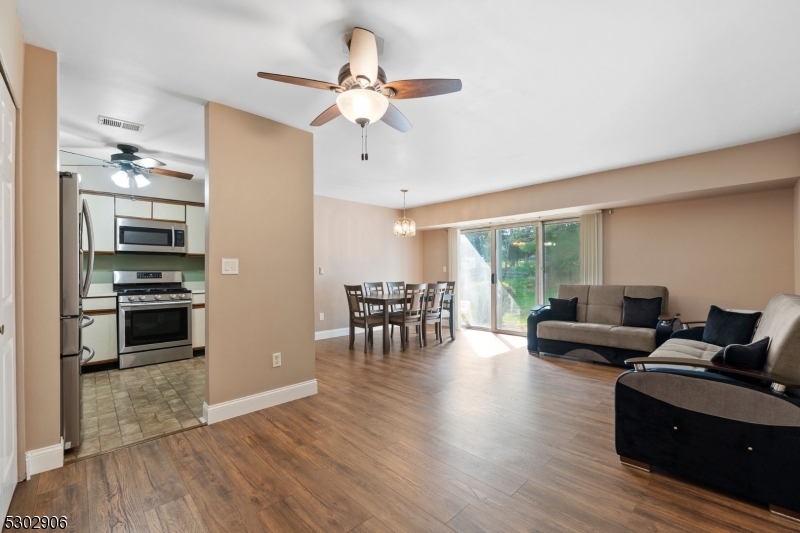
(121, 407)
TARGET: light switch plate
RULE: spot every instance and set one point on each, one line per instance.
(230, 266)
(276, 359)
(444, 269)
(321, 317)
(320, 271)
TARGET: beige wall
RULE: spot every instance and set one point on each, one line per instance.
(434, 255)
(707, 173)
(259, 208)
(39, 249)
(12, 49)
(354, 243)
(734, 251)
(797, 238)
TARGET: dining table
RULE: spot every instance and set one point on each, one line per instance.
(387, 300)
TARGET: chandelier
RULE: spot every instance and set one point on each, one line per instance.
(405, 227)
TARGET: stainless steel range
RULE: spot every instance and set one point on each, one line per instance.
(155, 317)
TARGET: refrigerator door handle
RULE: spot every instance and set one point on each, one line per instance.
(88, 358)
(89, 321)
(87, 215)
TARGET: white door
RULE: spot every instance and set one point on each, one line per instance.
(8, 371)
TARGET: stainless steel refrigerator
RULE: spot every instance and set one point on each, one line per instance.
(74, 287)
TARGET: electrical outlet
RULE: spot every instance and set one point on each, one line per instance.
(444, 269)
(321, 317)
(276, 359)
(320, 271)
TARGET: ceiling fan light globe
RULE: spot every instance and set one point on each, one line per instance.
(121, 179)
(141, 181)
(362, 104)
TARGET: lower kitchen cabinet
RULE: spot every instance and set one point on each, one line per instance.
(102, 337)
(199, 327)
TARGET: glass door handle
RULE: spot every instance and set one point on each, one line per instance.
(493, 278)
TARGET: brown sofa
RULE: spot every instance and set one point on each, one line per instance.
(598, 335)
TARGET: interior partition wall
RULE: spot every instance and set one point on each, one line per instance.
(504, 271)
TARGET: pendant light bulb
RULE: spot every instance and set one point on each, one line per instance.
(121, 179)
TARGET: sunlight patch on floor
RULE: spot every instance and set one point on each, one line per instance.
(485, 343)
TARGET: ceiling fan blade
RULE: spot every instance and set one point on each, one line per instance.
(303, 82)
(148, 162)
(396, 119)
(364, 55)
(326, 116)
(170, 173)
(420, 88)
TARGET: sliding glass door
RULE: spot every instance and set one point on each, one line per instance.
(475, 273)
(506, 271)
(517, 276)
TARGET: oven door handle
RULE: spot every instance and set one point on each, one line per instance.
(164, 305)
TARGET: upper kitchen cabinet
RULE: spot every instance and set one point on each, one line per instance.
(102, 213)
(134, 208)
(196, 229)
(163, 211)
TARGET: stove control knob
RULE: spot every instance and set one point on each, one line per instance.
(157, 296)
(131, 298)
(141, 298)
(172, 296)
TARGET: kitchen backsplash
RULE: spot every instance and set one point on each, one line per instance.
(193, 268)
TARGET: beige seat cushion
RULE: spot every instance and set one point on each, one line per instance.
(686, 348)
(641, 339)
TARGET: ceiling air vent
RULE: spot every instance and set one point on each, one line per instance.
(117, 123)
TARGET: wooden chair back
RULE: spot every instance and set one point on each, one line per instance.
(415, 299)
(355, 300)
(434, 300)
(396, 287)
(371, 289)
(451, 289)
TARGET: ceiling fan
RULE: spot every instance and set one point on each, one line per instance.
(363, 93)
(132, 168)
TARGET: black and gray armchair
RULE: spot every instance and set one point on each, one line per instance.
(735, 429)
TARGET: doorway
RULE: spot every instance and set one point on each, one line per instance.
(505, 271)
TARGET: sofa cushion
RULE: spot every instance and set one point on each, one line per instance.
(641, 339)
(640, 312)
(564, 310)
(751, 356)
(581, 292)
(687, 348)
(781, 322)
(729, 327)
(602, 304)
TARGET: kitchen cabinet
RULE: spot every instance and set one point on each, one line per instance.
(125, 207)
(163, 211)
(196, 229)
(102, 336)
(102, 210)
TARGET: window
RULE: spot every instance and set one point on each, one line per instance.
(562, 260)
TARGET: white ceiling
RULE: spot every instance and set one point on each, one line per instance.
(552, 89)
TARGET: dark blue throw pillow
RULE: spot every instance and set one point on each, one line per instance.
(564, 310)
(729, 327)
(751, 356)
(641, 312)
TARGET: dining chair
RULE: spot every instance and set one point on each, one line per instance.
(412, 314)
(359, 315)
(371, 289)
(434, 299)
(393, 287)
(448, 304)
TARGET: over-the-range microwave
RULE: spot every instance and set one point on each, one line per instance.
(150, 236)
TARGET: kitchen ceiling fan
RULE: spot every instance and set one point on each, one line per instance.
(363, 93)
(132, 168)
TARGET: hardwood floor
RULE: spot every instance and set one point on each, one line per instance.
(471, 435)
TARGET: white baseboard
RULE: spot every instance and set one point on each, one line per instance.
(241, 406)
(44, 459)
(341, 332)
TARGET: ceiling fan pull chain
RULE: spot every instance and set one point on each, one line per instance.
(366, 139)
